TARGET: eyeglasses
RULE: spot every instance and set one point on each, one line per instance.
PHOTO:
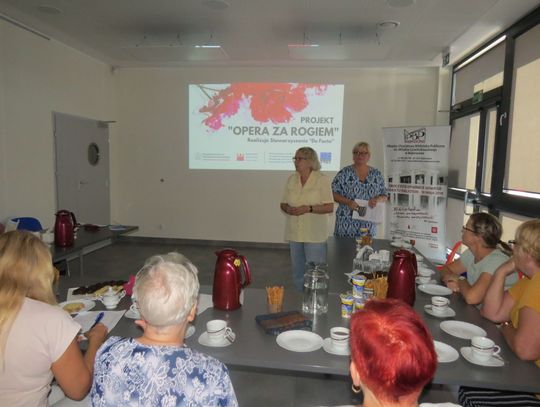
(360, 153)
(464, 228)
(299, 158)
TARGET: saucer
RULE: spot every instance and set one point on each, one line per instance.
(329, 348)
(445, 353)
(203, 340)
(449, 313)
(461, 329)
(467, 353)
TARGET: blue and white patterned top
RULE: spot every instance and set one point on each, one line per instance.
(128, 373)
(347, 184)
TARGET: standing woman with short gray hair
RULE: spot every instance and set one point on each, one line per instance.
(307, 201)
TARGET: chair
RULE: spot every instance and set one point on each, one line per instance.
(28, 223)
(450, 257)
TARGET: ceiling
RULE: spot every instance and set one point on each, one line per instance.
(129, 33)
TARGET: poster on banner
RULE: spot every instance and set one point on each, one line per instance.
(416, 172)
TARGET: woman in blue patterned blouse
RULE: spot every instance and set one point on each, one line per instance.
(158, 369)
(357, 181)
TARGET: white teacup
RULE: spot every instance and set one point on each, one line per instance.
(439, 305)
(424, 272)
(111, 299)
(134, 309)
(423, 279)
(483, 348)
(339, 337)
(217, 330)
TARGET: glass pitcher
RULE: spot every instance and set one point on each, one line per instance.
(315, 293)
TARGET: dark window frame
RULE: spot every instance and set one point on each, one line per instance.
(497, 200)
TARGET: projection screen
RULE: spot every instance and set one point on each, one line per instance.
(259, 126)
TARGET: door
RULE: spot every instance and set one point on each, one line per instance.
(82, 167)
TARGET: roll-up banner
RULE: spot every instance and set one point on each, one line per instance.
(416, 172)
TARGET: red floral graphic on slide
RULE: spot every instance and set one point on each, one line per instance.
(274, 102)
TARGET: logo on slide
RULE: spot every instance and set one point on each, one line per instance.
(267, 102)
(326, 157)
(240, 157)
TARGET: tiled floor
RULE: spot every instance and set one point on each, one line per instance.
(269, 266)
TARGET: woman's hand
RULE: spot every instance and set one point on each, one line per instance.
(373, 202)
(507, 268)
(353, 206)
(298, 210)
(453, 285)
(97, 334)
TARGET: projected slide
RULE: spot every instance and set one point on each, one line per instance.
(259, 126)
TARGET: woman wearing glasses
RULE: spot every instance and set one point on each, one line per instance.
(357, 181)
(482, 236)
(307, 201)
(518, 311)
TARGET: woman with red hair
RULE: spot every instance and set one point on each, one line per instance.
(392, 354)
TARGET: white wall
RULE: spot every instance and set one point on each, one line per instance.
(151, 144)
(38, 77)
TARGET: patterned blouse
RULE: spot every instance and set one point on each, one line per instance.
(347, 184)
(128, 373)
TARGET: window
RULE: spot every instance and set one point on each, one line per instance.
(523, 157)
(495, 140)
(463, 152)
(481, 75)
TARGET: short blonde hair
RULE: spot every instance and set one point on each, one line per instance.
(166, 289)
(311, 156)
(528, 238)
(362, 144)
(26, 270)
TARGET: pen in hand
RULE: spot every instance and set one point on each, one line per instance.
(98, 319)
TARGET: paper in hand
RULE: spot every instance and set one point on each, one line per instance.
(375, 215)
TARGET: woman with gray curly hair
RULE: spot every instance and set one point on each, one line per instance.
(158, 369)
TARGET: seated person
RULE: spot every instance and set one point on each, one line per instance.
(38, 340)
(481, 235)
(158, 369)
(392, 354)
(518, 311)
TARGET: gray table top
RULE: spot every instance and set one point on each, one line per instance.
(86, 238)
(254, 348)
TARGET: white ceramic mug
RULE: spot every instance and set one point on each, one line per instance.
(424, 272)
(483, 348)
(135, 310)
(111, 300)
(217, 330)
(439, 305)
(423, 279)
(339, 337)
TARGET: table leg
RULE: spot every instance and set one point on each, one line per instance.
(81, 254)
